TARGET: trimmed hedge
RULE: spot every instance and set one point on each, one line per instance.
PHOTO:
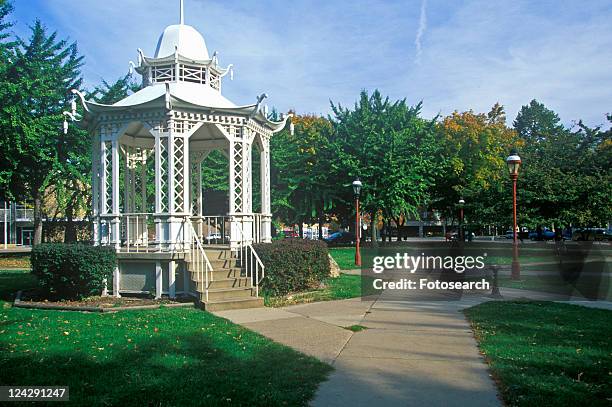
(293, 265)
(72, 271)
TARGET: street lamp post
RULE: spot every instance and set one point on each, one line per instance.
(357, 191)
(514, 163)
(461, 232)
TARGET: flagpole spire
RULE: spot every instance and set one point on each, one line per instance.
(182, 12)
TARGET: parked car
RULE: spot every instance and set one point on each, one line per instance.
(519, 235)
(214, 237)
(591, 234)
(339, 238)
(291, 233)
(547, 234)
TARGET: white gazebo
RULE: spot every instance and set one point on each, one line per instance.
(161, 136)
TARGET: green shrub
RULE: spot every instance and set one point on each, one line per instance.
(293, 265)
(72, 271)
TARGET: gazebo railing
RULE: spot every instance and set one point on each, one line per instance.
(136, 231)
(200, 265)
(250, 262)
(212, 229)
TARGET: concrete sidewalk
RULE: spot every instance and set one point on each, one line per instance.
(416, 351)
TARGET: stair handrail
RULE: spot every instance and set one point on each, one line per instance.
(200, 259)
(245, 248)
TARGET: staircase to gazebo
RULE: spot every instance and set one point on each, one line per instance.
(225, 278)
(230, 285)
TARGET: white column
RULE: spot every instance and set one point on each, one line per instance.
(116, 282)
(158, 280)
(186, 209)
(172, 279)
(104, 231)
(266, 208)
(247, 186)
(116, 239)
(95, 190)
(127, 181)
(159, 221)
(200, 205)
(143, 183)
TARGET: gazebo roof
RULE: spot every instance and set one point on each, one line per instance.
(190, 93)
(183, 95)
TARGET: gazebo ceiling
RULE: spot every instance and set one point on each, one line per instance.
(206, 136)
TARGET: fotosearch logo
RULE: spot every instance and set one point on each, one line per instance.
(458, 264)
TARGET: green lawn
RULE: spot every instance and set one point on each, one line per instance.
(12, 281)
(339, 288)
(170, 356)
(14, 261)
(344, 256)
(545, 353)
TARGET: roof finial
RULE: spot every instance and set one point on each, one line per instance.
(182, 13)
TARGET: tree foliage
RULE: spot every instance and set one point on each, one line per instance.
(475, 146)
(391, 148)
(37, 86)
(301, 164)
(566, 174)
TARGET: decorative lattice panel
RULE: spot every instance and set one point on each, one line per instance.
(248, 178)
(192, 73)
(194, 174)
(214, 81)
(107, 161)
(163, 73)
(163, 174)
(139, 164)
(238, 162)
(179, 173)
(265, 177)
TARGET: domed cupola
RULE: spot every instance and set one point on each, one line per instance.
(183, 39)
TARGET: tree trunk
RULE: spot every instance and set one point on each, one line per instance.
(38, 227)
(373, 228)
(70, 235)
(301, 226)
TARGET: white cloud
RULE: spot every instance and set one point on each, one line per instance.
(421, 30)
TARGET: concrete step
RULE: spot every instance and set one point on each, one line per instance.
(223, 263)
(219, 294)
(220, 254)
(225, 283)
(251, 302)
(217, 274)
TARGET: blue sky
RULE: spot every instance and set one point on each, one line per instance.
(449, 54)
